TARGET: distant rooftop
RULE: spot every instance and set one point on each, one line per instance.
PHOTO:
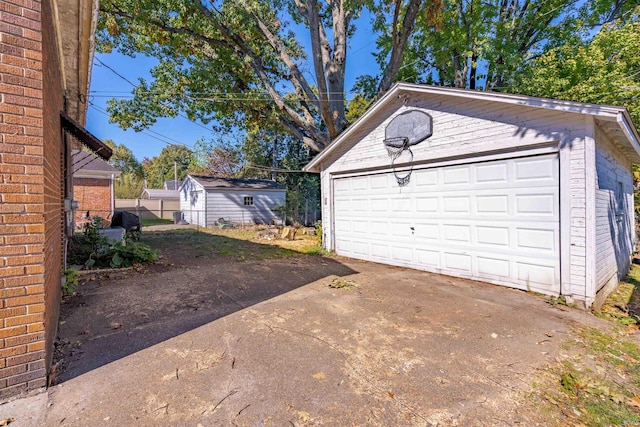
(152, 193)
(172, 185)
(215, 183)
(83, 161)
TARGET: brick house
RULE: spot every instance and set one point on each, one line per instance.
(93, 186)
(46, 50)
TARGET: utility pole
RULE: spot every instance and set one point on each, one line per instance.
(274, 158)
(175, 175)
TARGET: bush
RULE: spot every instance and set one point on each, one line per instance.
(93, 250)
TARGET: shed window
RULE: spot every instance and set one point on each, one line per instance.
(248, 201)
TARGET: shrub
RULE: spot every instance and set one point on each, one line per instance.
(94, 250)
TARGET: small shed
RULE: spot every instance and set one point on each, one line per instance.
(204, 200)
(159, 194)
(530, 193)
(93, 180)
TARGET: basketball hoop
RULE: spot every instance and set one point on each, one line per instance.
(403, 131)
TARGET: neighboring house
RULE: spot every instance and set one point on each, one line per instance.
(154, 194)
(204, 200)
(46, 54)
(172, 185)
(93, 186)
(530, 193)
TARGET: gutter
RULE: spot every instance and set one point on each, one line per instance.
(629, 131)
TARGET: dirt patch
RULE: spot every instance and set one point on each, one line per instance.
(199, 278)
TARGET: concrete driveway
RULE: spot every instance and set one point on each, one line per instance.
(393, 347)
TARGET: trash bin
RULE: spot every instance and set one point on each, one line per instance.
(177, 217)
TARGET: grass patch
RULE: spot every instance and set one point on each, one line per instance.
(235, 244)
(623, 304)
(597, 383)
(155, 221)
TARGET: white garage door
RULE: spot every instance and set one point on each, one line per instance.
(494, 221)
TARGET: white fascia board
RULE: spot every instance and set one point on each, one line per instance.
(247, 190)
(95, 174)
(602, 111)
(314, 165)
(625, 123)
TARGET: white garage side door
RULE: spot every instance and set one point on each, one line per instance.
(495, 221)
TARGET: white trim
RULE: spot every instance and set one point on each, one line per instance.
(629, 130)
(590, 205)
(550, 148)
(565, 217)
(95, 174)
(603, 111)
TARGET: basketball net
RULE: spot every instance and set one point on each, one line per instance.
(395, 147)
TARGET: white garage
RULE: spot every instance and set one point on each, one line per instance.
(523, 192)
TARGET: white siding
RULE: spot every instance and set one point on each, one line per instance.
(615, 238)
(230, 206)
(192, 202)
(460, 127)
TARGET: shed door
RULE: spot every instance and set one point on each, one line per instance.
(495, 221)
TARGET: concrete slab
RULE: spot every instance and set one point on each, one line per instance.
(397, 347)
(27, 411)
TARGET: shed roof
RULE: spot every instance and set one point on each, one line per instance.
(616, 121)
(155, 194)
(216, 183)
(172, 185)
(83, 161)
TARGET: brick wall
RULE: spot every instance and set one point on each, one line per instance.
(30, 194)
(93, 195)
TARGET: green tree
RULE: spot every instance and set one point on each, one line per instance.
(123, 159)
(240, 63)
(605, 70)
(128, 186)
(482, 44)
(161, 168)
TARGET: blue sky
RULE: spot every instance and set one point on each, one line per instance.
(111, 71)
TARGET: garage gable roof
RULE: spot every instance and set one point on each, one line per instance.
(215, 183)
(617, 118)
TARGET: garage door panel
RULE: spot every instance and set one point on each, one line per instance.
(538, 204)
(403, 254)
(496, 221)
(457, 261)
(535, 275)
(428, 257)
(536, 239)
(493, 236)
(456, 175)
(426, 204)
(456, 234)
(535, 169)
(492, 204)
(425, 178)
(493, 268)
(492, 173)
(456, 204)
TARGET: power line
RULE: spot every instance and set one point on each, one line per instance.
(134, 86)
(147, 132)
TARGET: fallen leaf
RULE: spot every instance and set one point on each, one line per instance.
(634, 402)
(391, 395)
(7, 421)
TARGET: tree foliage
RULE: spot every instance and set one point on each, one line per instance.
(130, 183)
(241, 63)
(482, 44)
(605, 70)
(161, 168)
(123, 159)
